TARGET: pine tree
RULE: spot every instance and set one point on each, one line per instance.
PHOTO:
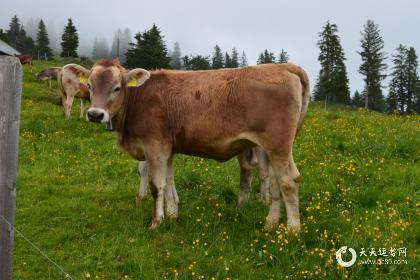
(3, 35)
(197, 62)
(317, 91)
(266, 57)
(234, 62)
(120, 44)
(16, 37)
(217, 59)
(176, 57)
(332, 79)
(283, 57)
(244, 60)
(228, 61)
(43, 42)
(372, 66)
(398, 84)
(14, 33)
(69, 40)
(357, 99)
(100, 49)
(149, 52)
(403, 87)
(412, 79)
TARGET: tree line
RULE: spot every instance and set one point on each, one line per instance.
(149, 51)
(332, 81)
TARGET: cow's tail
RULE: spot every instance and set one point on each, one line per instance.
(305, 93)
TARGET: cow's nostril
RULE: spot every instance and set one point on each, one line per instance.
(95, 116)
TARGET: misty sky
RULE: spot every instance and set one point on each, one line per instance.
(251, 26)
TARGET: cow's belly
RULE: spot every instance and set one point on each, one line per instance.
(220, 150)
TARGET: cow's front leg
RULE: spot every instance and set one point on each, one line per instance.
(158, 164)
(144, 181)
(171, 198)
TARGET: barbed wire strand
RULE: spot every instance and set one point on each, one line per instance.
(68, 276)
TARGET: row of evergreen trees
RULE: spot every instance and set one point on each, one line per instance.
(332, 81)
(16, 37)
(150, 52)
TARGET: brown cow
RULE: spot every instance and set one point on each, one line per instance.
(48, 74)
(214, 114)
(26, 59)
(71, 88)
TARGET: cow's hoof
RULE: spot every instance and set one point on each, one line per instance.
(293, 229)
(154, 225)
(269, 225)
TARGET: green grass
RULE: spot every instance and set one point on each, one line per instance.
(76, 201)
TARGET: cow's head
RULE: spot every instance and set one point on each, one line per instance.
(107, 82)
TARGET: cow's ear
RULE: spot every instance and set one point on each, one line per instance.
(81, 72)
(136, 77)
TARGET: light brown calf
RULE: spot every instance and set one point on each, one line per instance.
(71, 88)
(214, 114)
(48, 74)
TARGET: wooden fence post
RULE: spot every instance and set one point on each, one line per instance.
(10, 93)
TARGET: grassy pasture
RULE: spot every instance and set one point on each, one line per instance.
(76, 201)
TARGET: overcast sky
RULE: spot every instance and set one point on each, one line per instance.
(251, 26)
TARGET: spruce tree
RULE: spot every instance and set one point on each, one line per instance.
(398, 84)
(357, 99)
(197, 62)
(217, 59)
(3, 35)
(228, 61)
(43, 42)
(149, 52)
(100, 49)
(69, 40)
(283, 57)
(266, 57)
(16, 37)
(412, 79)
(234, 59)
(176, 57)
(332, 79)
(14, 33)
(244, 60)
(373, 66)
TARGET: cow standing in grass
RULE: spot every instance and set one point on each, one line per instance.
(214, 114)
(71, 87)
(49, 74)
(25, 59)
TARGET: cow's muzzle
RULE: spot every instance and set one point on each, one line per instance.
(97, 115)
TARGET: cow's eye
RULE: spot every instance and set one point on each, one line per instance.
(117, 89)
(89, 86)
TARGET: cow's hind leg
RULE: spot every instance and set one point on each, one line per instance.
(263, 173)
(67, 106)
(144, 181)
(284, 184)
(246, 163)
(171, 203)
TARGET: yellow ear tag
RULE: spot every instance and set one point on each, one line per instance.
(82, 79)
(132, 83)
